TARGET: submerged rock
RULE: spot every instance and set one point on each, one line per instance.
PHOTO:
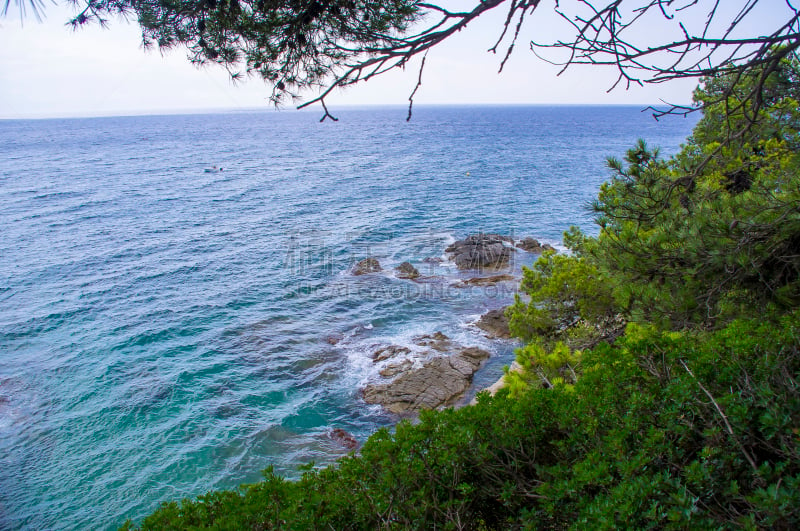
(334, 339)
(495, 324)
(484, 281)
(481, 251)
(343, 438)
(532, 245)
(439, 382)
(367, 265)
(406, 270)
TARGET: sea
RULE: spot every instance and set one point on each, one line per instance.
(177, 305)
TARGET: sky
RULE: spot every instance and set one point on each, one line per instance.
(49, 70)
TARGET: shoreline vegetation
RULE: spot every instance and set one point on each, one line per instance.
(658, 381)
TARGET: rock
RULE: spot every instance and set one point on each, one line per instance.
(434, 279)
(390, 371)
(406, 270)
(495, 324)
(334, 339)
(474, 355)
(367, 265)
(391, 351)
(499, 384)
(485, 236)
(484, 281)
(437, 341)
(340, 436)
(532, 245)
(439, 382)
(433, 260)
(481, 251)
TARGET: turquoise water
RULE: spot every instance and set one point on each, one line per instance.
(165, 331)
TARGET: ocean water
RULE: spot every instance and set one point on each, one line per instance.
(166, 330)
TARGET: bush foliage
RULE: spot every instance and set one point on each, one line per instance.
(660, 372)
(664, 429)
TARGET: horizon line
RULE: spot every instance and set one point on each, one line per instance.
(274, 109)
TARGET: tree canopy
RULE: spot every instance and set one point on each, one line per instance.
(693, 241)
(306, 48)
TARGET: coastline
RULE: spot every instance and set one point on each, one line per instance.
(431, 370)
(500, 383)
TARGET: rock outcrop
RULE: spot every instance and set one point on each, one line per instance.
(367, 265)
(436, 341)
(501, 383)
(495, 324)
(439, 382)
(481, 251)
(384, 353)
(532, 245)
(406, 270)
(393, 369)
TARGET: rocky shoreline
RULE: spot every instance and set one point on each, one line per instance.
(435, 371)
(439, 381)
(501, 382)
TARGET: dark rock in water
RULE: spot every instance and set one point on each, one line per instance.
(406, 270)
(481, 251)
(481, 236)
(334, 339)
(433, 260)
(224, 411)
(434, 279)
(495, 324)
(384, 353)
(340, 436)
(439, 382)
(367, 265)
(532, 245)
(436, 341)
(484, 281)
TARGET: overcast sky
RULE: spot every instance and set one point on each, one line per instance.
(47, 69)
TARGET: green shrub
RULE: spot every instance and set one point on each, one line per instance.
(664, 429)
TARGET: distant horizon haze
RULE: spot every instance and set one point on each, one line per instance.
(345, 107)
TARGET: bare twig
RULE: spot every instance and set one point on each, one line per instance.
(327, 114)
(728, 426)
(416, 87)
